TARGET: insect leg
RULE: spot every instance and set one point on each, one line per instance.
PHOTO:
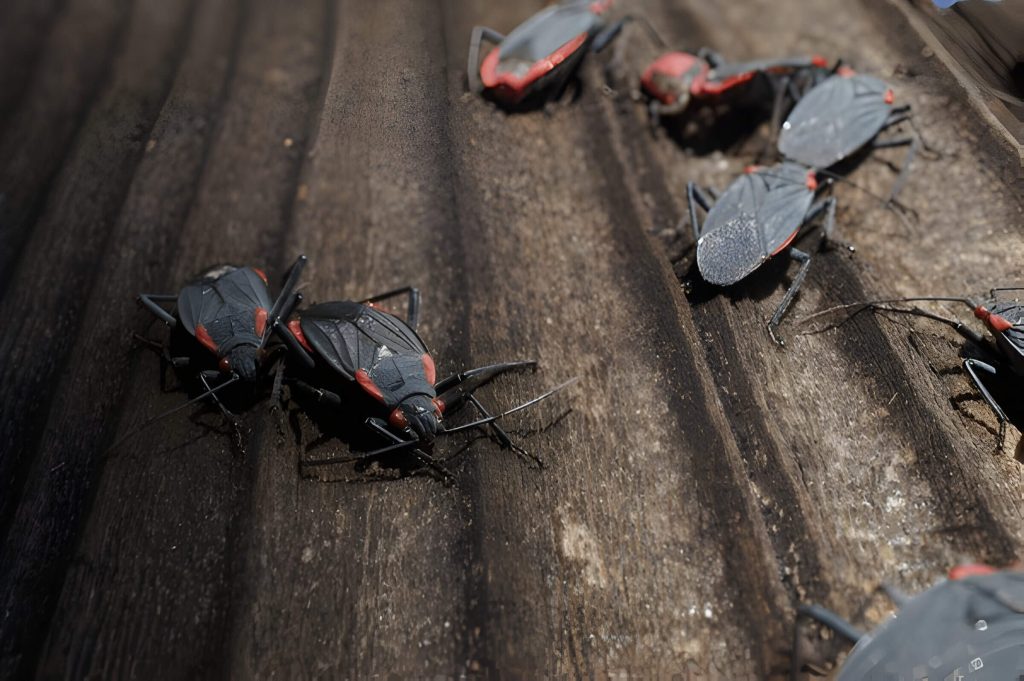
(285, 297)
(151, 302)
(503, 437)
(480, 33)
(992, 292)
(413, 314)
(971, 365)
(293, 344)
(694, 197)
(805, 261)
(713, 58)
(204, 376)
(377, 426)
(318, 394)
(825, 617)
(453, 390)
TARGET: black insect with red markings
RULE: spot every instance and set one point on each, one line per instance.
(844, 115)
(1004, 353)
(677, 80)
(759, 216)
(221, 323)
(970, 626)
(763, 211)
(350, 348)
(534, 62)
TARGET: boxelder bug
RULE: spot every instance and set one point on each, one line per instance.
(346, 346)
(758, 216)
(970, 626)
(676, 79)
(534, 62)
(841, 115)
(1004, 320)
(226, 316)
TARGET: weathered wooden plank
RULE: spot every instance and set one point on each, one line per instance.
(39, 133)
(704, 482)
(24, 25)
(149, 587)
(369, 577)
(58, 472)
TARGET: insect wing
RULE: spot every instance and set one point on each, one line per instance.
(349, 336)
(834, 119)
(966, 629)
(225, 307)
(785, 64)
(757, 215)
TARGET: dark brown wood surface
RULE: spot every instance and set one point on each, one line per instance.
(703, 482)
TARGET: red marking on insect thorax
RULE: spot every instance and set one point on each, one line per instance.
(751, 169)
(812, 180)
(397, 419)
(367, 384)
(429, 369)
(711, 88)
(296, 328)
(994, 322)
(890, 96)
(845, 72)
(600, 6)
(261, 320)
(971, 570)
(203, 336)
(261, 274)
(819, 61)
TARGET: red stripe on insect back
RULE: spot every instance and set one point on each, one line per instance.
(367, 384)
(397, 419)
(203, 336)
(261, 273)
(296, 328)
(971, 570)
(428, 368)
(261, 320)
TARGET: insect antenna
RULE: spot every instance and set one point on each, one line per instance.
(885, 306)
(524, 405)
(365, 455)
(150, 421)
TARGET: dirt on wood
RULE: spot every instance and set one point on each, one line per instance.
(700, 482)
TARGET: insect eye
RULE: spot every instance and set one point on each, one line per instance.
(225, 365)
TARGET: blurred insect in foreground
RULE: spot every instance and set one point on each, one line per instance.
(968, 627)
(675, 81)
(534, 62)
